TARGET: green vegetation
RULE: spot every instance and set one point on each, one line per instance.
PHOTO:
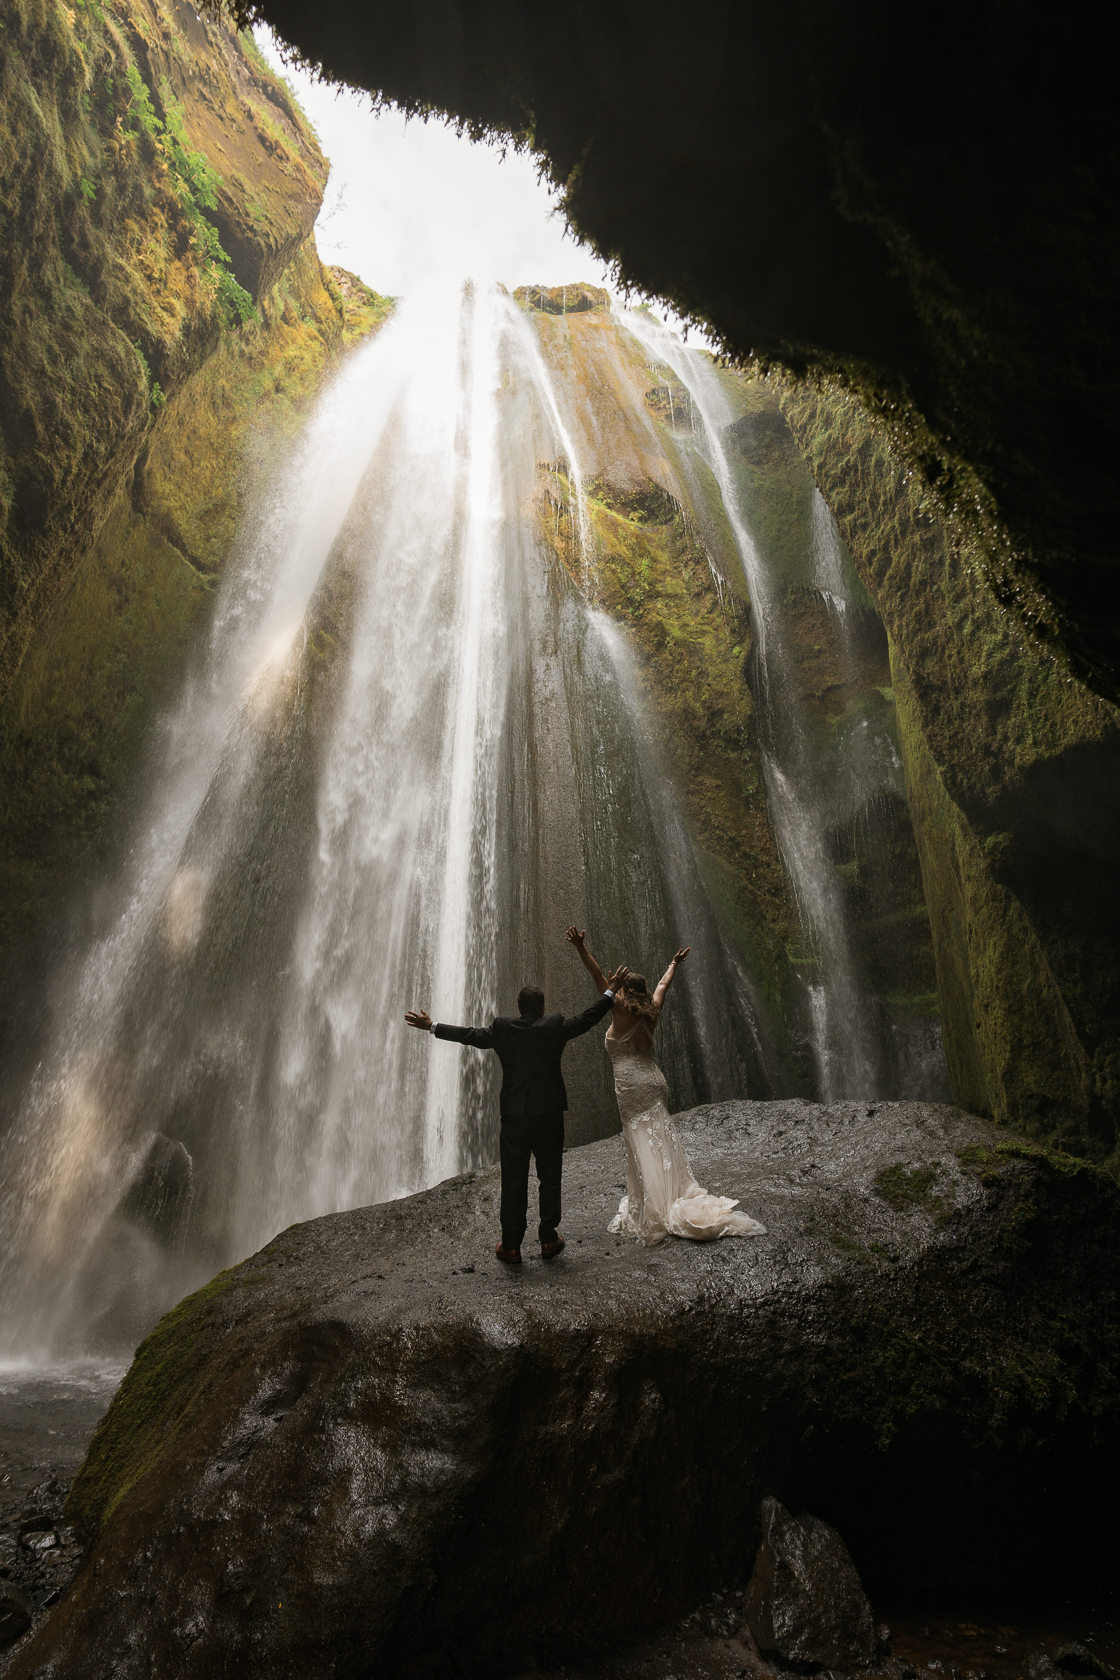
(139, 1426)
(196, 190)
(904, 1189)
(988, 1161)
(113, 195)
(363, 309)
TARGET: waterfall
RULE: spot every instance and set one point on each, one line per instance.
(407, 758)
(811, 790)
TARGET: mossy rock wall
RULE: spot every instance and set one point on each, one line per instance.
(839, 669)
(133, 140)
(111, 585)
(114, 646)
(1013, 775)
(658, 556)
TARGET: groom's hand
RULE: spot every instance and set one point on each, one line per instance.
(419, 1018)
(615, 980)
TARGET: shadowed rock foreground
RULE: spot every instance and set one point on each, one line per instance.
(371, 1449)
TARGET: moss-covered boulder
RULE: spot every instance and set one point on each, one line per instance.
(372, 1448)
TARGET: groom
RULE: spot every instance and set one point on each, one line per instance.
(533, 1102)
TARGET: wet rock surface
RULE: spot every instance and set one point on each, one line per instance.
(372, 1448)
(15, 1613)
(805, 1603)
(39, 1555)
(563, 300)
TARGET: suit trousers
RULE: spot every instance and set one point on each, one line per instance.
(542, 1136)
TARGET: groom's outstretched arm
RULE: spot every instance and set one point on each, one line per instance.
(481, 1038)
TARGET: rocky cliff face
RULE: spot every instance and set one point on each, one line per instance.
(116, 127)
(658, 555)
(166, 320)
(1003, 920)
(372, 1448)
(1013, 776)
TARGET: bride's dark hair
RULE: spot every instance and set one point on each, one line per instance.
(635, 995)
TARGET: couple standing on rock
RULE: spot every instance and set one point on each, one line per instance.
(662, 1197)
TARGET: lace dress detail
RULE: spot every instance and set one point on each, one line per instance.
(662, 1197)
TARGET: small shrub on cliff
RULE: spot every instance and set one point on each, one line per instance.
(195, 186)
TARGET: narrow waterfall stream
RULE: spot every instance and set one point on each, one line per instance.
(407, 760)
(815, 790)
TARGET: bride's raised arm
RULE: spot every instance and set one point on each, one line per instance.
(669, 976)
(574, 936)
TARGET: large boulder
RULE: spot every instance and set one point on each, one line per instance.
(373, 1449)
(805, 1602)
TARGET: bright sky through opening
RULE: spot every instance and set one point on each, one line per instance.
(406, 200)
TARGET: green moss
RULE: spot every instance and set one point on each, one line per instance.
(977, 1157)
(110, 252)
(906, 1188)
(364, 311)
(140, 1424)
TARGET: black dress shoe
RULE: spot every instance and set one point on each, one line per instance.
(511, 1256)
(549, 1251)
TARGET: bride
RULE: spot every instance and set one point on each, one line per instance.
(662, 1199)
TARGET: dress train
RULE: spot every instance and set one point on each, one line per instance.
(662, 1197)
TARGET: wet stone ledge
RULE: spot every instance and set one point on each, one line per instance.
(372, 1449)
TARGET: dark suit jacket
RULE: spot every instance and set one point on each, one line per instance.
(529, 1049)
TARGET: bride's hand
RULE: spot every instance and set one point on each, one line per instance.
(574, 936)
(681, 955)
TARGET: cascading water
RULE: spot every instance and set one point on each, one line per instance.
(813, 790)
(406, 761)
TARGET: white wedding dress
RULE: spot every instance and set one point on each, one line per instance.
(662, 1197)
